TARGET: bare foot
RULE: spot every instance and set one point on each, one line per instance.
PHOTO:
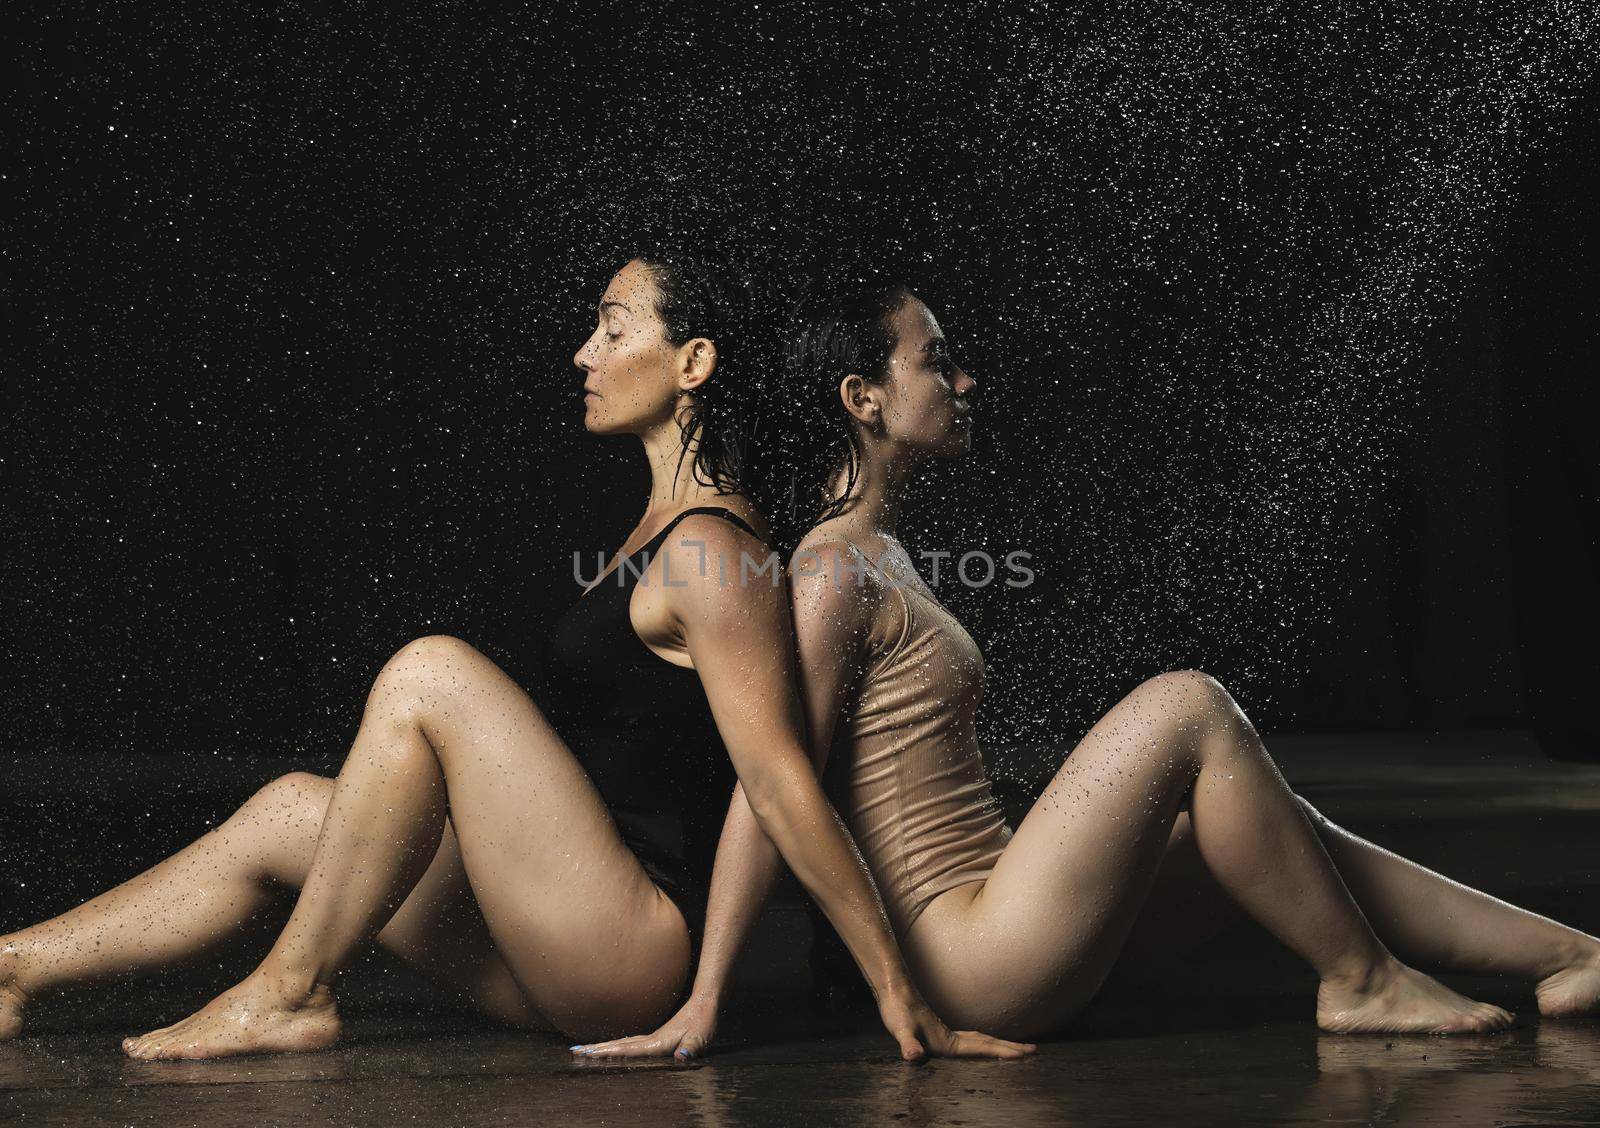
(254, 1017)
(1401, 1000)
(1574, 990)
(13, 1000)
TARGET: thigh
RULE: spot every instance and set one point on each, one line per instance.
(595, 945)
(438, 929)
(1186, 906)
(1025, 950)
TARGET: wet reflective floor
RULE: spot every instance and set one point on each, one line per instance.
(1224, 1037)
(1275, 1072)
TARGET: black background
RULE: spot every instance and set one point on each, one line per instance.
(1283, 316)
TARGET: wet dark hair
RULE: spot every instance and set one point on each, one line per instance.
(840, 326)
(702, 293)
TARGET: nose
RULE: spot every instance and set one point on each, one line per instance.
(964, 385)
(580, 358)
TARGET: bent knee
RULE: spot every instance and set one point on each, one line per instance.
(1191, 687)
(275, 831)
(293, 794)
(426, 667)
(430, 653)
(1189, 700)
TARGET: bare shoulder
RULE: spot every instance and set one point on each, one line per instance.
(717, 570)
(831, 579)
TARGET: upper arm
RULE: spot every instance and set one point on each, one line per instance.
(740, 637)
(833, 609)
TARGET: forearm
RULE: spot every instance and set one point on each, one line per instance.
(746, 869)
(796, 815)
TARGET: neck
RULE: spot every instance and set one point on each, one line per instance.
(672, 479)
(879, 490)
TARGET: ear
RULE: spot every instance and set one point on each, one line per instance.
(697, 359)
(862, 400)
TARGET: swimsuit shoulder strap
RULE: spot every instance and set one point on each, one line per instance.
(714, 510)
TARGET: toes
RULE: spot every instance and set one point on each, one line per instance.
(153, 1046)
(1490, 1018)
(147, 1037)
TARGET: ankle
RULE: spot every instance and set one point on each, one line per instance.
(1571, 951)
(298, 987)
(1367, 976)
(14, 972)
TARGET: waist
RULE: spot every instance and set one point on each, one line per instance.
(919, 810)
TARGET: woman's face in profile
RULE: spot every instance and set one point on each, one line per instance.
(926, 409)
(629, 382)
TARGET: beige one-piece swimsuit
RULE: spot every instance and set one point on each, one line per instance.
(905, 771)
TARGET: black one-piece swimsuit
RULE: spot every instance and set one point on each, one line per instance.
(643, 731)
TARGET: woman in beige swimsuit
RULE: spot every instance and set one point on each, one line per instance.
(1167, 814)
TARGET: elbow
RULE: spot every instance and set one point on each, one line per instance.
(772, 802)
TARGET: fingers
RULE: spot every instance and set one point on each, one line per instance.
(642, 1045)
(911, 1049)
(974, 1043)
(684, 1048)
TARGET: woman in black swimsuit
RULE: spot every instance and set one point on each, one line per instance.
(548, 860)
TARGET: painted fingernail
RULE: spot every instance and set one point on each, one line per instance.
(577, 1049)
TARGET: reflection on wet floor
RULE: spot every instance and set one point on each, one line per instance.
(1224, 1037)
(1280, 1071)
